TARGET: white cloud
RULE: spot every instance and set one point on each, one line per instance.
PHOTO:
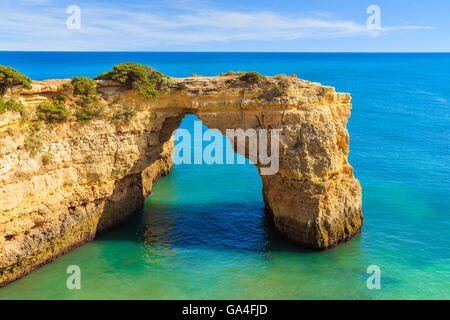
(139, 29)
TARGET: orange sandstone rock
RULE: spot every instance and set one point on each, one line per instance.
(101, 171)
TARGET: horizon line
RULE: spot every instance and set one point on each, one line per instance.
(175, 51)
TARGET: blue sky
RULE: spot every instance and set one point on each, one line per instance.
(232, 25)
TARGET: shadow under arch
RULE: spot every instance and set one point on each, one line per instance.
(208, 205)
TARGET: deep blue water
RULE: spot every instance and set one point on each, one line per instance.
(203, 234)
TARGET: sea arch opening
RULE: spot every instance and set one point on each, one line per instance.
(311, 196)
(203, 204)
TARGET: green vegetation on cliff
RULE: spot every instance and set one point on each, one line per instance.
(84, 86)
(85, 114)
(278, 89)
(229, 73)
(250, 77)
(124, 115)
(46, 158)
(11, 77)
(34, 139)
(87, 98)
(13, 105)
(53, 111)
(150, 83)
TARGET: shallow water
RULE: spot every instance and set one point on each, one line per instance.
(203, 232)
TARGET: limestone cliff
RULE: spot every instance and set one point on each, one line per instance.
(101, 171)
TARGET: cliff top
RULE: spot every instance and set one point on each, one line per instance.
(192, 83)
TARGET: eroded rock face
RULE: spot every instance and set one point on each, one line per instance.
(101, 172)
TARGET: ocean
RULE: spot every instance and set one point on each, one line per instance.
(203, 233)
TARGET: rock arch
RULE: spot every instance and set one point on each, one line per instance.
(314, 198)
(98, 182)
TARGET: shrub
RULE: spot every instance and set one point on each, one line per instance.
(124, 115)
(150, 93)
(12, 77)
(229, 73)
(250, 77)
(153, 116)
(34, 139)
(322, 92)
(60, 98)
(67, 87)
(76, 141)
(83, 86)
(86, 101)
(321, 187)
(51, 113)
(46, 158)
(278, 89)
(33, 144)
(87, 113)
(150, 83)
(14, 105)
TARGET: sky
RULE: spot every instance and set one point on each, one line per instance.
(231, 25)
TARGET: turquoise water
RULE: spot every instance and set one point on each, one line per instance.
(203, 232)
